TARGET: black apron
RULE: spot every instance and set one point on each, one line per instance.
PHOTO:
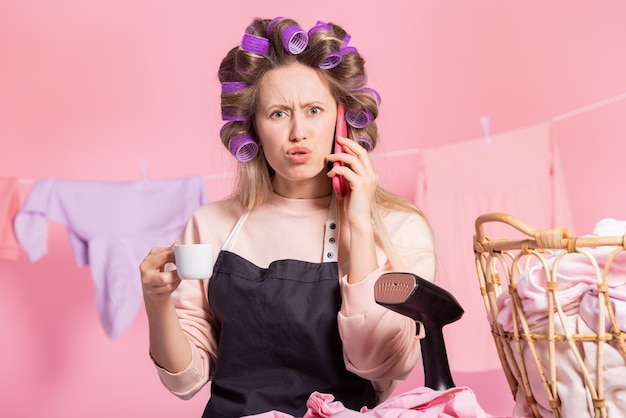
(278, 337)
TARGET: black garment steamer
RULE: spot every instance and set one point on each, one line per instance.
(432, 306)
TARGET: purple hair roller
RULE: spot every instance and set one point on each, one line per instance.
(345, 50)
(223, 127)
(233, 86)
(294, 39)
(331, 60)
(374, 93)
(255, 44)
(357, 82)
(319, 26)
(270, 26)
(346, 39)
(365, 143)
(232, 113)
(358, 118)
(243, 147)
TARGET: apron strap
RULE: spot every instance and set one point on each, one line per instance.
(232, 237)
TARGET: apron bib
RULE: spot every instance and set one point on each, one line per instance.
(278, 337)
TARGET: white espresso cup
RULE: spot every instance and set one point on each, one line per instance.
(194, 261)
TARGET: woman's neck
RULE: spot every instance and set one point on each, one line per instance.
(319, 186)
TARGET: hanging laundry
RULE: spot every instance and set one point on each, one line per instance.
(9, 205)
(520, 174)
(112, 226)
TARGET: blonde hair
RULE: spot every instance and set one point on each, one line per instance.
(347, 82)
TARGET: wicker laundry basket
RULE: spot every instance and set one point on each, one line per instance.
(560, 361)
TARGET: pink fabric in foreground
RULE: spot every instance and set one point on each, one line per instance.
(422, 402)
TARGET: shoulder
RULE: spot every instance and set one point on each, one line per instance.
(409, 231)
(220, 209)
(212, 222)
(402, 220)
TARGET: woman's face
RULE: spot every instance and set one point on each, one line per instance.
(295, 123)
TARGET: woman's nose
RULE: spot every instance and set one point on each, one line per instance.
(298, 128)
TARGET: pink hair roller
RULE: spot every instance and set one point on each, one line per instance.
(233, 86)
(365, 143)
(243, 147)
(255, 44)
(294, 39)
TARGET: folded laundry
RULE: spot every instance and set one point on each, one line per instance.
(577, 280)
(580, 280)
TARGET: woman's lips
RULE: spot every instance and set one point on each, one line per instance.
(299, 155)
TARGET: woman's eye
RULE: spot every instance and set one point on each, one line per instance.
(315, 110)
(278, 114)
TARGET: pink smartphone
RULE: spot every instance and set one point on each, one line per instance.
(339, 183)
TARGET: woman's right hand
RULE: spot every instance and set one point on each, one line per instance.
(169, 346)
(158, 284)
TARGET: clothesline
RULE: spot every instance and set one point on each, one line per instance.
(484, 121)
(588, 108)
(413, 151)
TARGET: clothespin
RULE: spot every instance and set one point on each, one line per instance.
(484, 121)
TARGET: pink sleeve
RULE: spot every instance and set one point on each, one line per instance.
(379, 344)
(197, 322)
(187, 383)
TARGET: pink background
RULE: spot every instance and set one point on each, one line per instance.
(106, 90)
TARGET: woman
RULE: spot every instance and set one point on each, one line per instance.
(290, 307)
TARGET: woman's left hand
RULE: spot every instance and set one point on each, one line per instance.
(361, 180)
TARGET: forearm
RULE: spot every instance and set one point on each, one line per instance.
(378, 343)
(169, 346)
(362, 251)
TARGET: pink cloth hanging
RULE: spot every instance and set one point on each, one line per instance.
(9, 205)
(518, 173)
